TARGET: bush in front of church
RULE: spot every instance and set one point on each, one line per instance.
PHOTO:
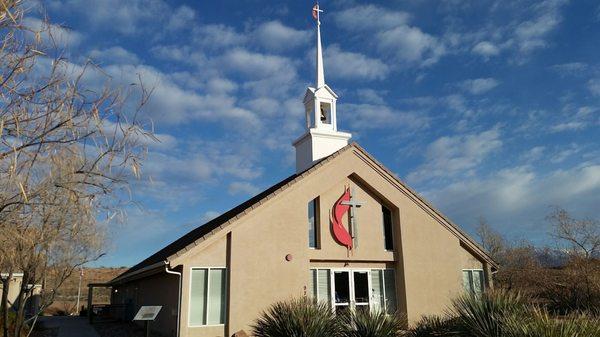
(299, 317)
(364, 323)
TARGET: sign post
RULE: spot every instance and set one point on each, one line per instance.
(147, 313)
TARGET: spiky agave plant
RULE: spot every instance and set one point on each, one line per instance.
(299, 317)
(364, 323)
(542, 324)
(436, 326)
(484, 315)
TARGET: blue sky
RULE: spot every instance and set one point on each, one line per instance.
(487, 108)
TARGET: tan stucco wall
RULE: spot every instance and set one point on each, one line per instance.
(428, 257)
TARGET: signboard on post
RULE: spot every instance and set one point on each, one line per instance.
(147, 313)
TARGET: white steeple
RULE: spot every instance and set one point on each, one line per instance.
(321, 137)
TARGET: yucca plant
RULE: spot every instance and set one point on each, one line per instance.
(436, 326)
(484, 315)
(300, 317)
(541, 324)
(363, 323)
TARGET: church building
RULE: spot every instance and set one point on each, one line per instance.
(342, 229)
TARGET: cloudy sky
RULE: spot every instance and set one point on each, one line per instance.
(487, 108)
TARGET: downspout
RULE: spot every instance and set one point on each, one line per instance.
(178, 296)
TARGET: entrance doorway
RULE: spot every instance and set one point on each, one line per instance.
(351, 290)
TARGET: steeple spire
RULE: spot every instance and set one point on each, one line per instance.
(320, 71)
(321, 137)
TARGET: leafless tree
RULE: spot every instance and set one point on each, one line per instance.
(582, 236)
(68, 147)
(492, 241)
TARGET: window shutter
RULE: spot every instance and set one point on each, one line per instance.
(377, 289)
(323, 287)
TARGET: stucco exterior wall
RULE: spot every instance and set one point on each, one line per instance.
(428, 257)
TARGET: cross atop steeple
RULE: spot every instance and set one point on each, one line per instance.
(322, 137)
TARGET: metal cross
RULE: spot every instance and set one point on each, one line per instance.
(353, 218)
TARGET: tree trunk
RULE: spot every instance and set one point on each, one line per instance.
(4, 304)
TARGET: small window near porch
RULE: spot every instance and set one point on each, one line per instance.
(388, 234)
(208, 296)
(313, 223)
(383, 287)
(473, 280)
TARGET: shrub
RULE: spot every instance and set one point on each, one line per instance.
(484, 315)
(541, 324)
(363, 323)
(436, 326)
(300, 317)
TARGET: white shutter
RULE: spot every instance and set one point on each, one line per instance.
(377, 290)
(323, 286)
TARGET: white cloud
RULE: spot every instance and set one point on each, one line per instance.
(242, 187)
(349, 65)
(532, 34)
(456, 155)
(593, 86)
(392, 34)
(126, 17)
(370, 17)
(216, 36)
(516, 200)
(479, 86)
(115, 54)
(370, 96)
(410, 44)
(373, 116)
(486, 49)
(275, 36)
(568, 126)
(572, 68)
(52, 34)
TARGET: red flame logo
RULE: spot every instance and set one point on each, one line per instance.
(339, 232)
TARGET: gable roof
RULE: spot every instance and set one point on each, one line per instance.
(188, 240)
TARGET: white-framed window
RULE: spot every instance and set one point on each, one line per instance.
(473, 281)
(388, 232)
(208, 296)
(313, 223)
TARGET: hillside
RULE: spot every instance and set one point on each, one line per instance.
(66, 298)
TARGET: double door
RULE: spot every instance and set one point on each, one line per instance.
(351, 290)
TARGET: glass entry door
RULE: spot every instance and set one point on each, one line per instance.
(351, 290)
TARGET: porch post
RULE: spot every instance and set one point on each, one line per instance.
(89, 302)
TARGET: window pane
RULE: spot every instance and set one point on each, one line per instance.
(377, 289)
(388, 234)
(312, 283)
(390, 290)
(342, 287)
(216, 297)
(478, 281)
(361, 287)
(312, 224)
(323, 285)
(466, 281)
(198, 297)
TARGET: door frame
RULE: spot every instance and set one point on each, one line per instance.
(352, 304)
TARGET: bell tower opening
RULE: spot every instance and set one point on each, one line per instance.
(325, 111)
